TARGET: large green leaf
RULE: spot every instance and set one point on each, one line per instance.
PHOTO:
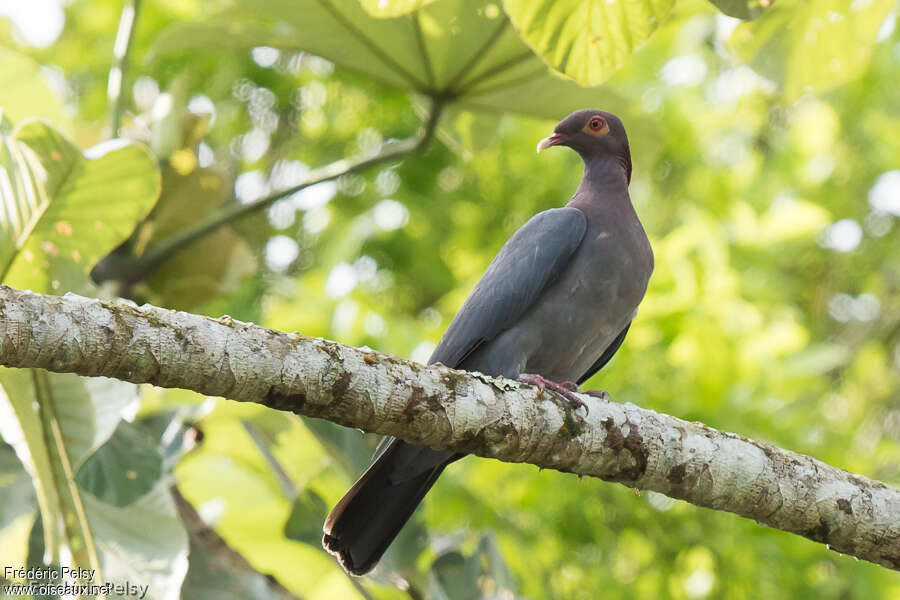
(60, 419)
(62, 210)
(455, 576)
(17, 506)
(21, 428)
(211, 576)
(125, 468)
(587, 39)
(392, 8)
(305, 521)
(144, 543)
(462, 51)
(811, 47)
(23, 91)
(212, 266)
(742, 9)
(40, 441)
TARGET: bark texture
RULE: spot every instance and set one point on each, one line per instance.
(454, 410)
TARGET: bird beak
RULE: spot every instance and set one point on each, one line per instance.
(554, 140)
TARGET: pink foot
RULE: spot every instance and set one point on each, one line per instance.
(566, 389)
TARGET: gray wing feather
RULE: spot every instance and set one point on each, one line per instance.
(532, 258)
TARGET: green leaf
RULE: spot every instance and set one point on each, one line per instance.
(125, 468)
(54, 471)
(455, 577)
(21, 428)
(464, 51)
(307, 515)
(17, 506)
(587, 40)
(85, 412)
(811, 47)
(36, 555)
(212, 266)
(392, 8)
(64, 210)
(742, 9)
(144, 543)
(23, 91)
(211, 576)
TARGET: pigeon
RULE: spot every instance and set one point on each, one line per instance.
(551, 310)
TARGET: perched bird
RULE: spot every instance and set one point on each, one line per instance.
(551, 309)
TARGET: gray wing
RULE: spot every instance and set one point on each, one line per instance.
(532, 258)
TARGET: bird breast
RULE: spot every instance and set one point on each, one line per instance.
(578, 317)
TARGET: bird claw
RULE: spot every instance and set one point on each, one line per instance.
(566, 389)
(597, 394)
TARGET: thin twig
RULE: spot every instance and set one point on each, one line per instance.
(121, 54)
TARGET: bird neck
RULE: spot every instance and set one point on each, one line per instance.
(603, 173)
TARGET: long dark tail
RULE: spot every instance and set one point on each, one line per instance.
(367, 519)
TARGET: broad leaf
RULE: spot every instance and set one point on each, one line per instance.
(40, 441)
(210, 267)
(144, 543)
(20, 426)
(587, 40)
(742, 9)
(392, 8)
(84, 410)
(62, 210)
(811, 47)
(305, 522)
(212, 576)
(455, 576)
(23, 91)
(462, 51)
(17, 506)
(123, 469)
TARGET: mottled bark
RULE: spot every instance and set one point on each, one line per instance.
(454, 410)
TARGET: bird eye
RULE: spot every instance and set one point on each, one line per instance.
(596, 126)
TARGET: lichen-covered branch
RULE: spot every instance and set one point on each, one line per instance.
(450, 409)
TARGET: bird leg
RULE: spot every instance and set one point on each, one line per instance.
(566, 389)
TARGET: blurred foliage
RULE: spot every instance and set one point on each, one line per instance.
(766, 174)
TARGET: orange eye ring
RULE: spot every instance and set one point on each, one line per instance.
(596, 126)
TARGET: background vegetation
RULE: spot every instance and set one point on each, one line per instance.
(767, 173)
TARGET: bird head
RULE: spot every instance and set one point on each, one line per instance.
(592, 134)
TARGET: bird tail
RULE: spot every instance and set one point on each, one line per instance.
(370, 515)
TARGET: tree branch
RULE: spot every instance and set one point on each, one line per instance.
(454, 410)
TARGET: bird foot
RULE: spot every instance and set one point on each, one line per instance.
(566, 389)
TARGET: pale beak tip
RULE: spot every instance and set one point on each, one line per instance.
(552, 140)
